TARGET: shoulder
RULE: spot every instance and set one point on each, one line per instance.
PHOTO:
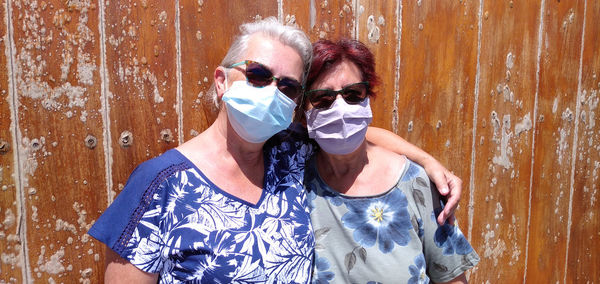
(412, 171)
(421, 192)
(289, 149)
(149, 175)
(137, 195)
(168, 160)
(153, 172)
(387, 168)
(294, 137)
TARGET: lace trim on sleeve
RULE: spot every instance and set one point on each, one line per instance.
(145, 201)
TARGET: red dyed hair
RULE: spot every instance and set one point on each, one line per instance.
(326, 53)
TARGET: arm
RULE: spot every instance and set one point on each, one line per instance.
(447, 183)
(119, 270)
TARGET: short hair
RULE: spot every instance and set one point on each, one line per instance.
(271, 27)
(326, 53)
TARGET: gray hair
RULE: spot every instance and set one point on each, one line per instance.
(271, 27)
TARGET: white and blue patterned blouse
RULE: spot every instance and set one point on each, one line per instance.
(172, 220)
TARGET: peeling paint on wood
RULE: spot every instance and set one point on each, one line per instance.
(505, 93)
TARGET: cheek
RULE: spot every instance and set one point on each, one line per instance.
(233, 76)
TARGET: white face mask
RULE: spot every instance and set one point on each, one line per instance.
(341, 128)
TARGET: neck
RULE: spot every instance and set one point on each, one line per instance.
(241, 150)
(335, 168)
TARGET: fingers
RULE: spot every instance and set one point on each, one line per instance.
(441, 182)
(445, 216)
(453, 197)
(441, 219)
(448, 212)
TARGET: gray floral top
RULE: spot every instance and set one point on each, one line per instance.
(388, 238)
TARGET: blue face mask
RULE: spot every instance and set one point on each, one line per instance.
(256, 113)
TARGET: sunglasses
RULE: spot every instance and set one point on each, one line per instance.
(259, 75)
(352, 94)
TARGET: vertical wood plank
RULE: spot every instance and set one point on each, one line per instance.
(56, 71)
(427, 60)
(554, 132)
(502, 169)
(141, 58)
(377, 28)
(322, 19)
(583, 257)
(204, 43)
(436, 86)
(11, 243)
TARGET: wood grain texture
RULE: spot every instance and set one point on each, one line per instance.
(583, 257)
(378, 29)
(554, 133)
(322, 19)
(511, 108)
(503, 145)
(56, 76)
(141, 70)
(436, 89)
(11, 242)
(204, 43)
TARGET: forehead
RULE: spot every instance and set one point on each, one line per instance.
(339, 75)
(283, 60)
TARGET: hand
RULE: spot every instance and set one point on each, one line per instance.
(448, 184)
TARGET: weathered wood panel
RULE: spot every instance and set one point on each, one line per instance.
(583, 257)
(11, 245)
(377, 27)
(322, 19)
(503, 144)
(141, 74)
(523, 88)
(204, 43)
(554, 131)
(436, 85)
(56, 61)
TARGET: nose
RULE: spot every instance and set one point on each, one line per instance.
(274, 81)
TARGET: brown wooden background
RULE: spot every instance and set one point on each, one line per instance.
(505, 93)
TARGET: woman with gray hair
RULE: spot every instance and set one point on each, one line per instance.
(228, 205)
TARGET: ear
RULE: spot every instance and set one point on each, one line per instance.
(220, 83)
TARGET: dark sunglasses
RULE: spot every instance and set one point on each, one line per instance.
(352, 94)
(259, 76)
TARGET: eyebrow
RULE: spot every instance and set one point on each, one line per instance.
(280, 77)
(343, 87)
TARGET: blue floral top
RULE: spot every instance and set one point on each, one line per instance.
(172, 220)
(388, 238)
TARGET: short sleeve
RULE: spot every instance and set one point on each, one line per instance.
(130, 225)
(447, 252)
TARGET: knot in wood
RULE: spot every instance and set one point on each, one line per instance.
(91, 141)
(4, 147)
(126, 139)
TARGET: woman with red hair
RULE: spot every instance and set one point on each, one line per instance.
(373, 211)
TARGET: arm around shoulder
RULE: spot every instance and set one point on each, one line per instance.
(448, 184)
(119, 270)
(395, 143)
